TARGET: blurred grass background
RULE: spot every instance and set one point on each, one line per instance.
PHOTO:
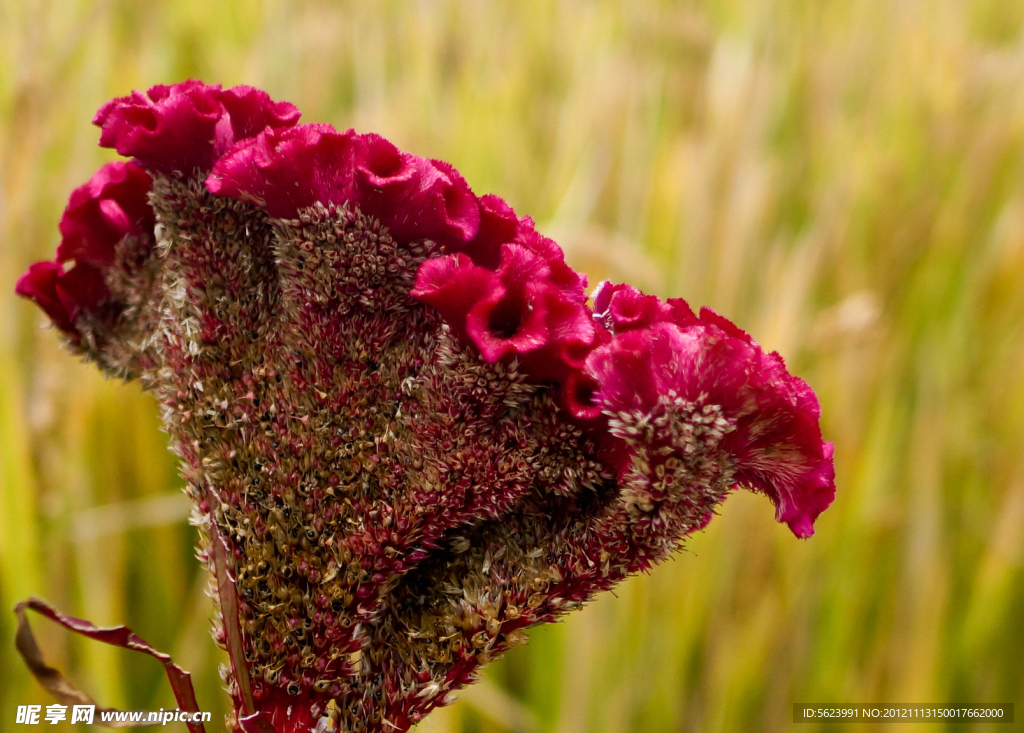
(845, 180)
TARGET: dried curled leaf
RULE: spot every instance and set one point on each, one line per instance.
(61, 688)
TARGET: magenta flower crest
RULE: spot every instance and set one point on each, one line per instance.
(408, 435)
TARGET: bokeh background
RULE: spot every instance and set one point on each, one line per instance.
(843, 179)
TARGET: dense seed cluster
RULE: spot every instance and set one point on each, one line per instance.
(336, 456)
(406, 435)
(473, 599)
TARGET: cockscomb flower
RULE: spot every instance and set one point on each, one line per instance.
(407, 434)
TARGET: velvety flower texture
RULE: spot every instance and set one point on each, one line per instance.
(109, 211)
(407, 435)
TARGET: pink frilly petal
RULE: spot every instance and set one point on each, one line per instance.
(63, 295)
(39, 285)
(512, 317)
(622, 308)
(562, 276)
(187, 126)
(776, 445)
(498, 225)
(112, 205)
(285, 171)
(454, 285)
(525, 310)
(81, 289)
(580, 392)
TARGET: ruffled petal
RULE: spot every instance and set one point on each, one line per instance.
(659, 354)
(183, 127)
(285, 171)
(112, 205)
(513, 318)
(454, 286)
(498, 225)
(81, 289)
(63, 295)
(39, 285)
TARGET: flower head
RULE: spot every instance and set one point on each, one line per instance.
(407, 435)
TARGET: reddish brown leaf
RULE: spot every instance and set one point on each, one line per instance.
(62, 689)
